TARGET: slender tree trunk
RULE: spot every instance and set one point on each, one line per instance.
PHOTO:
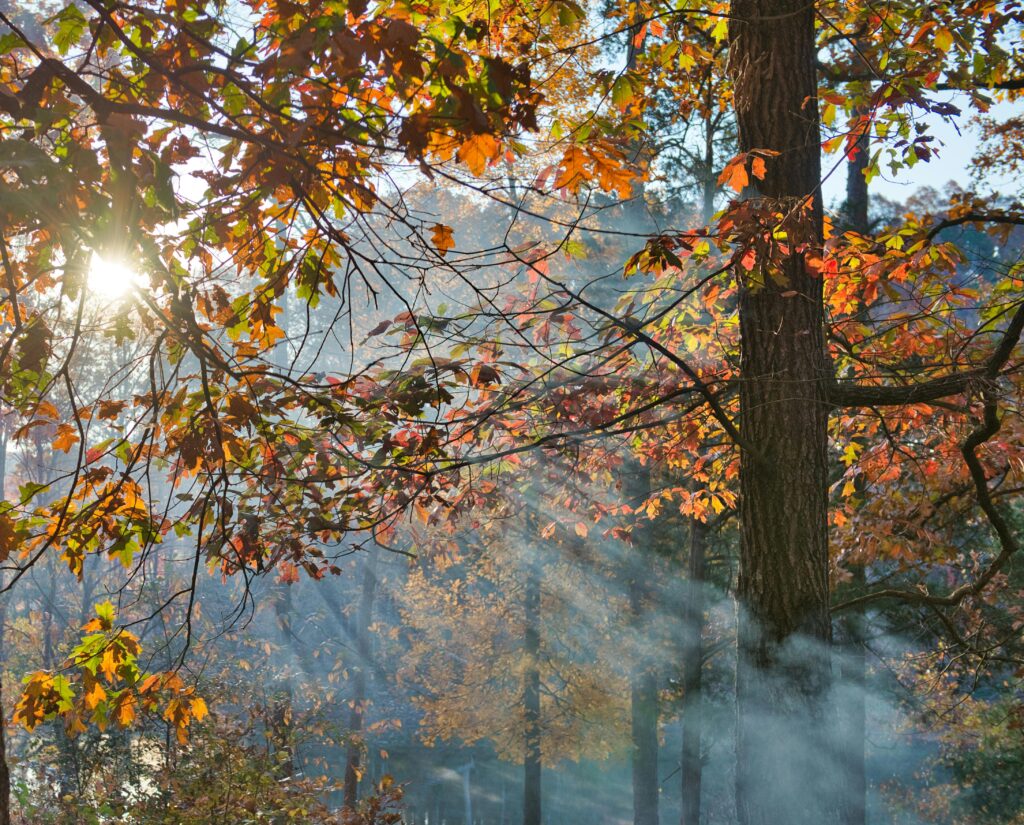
(856, 207)
(644, 702)
(531, 700)
(281, 708)
(709, 184)
(5, 771)
(853, 672)
(853, 668)
(693, 660)
(359, 684)
(643, 676)
(691, 765)
(785, 771)
(467, 791)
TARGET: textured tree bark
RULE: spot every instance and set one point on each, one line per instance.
(353, 759)
(691, 769)
(785, 771)
(531, 701)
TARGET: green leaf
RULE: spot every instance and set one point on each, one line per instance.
(71, 23)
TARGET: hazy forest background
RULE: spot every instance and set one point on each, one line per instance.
(511, 412)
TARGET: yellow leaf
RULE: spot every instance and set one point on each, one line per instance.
(199, 710)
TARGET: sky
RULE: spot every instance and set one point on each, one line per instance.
(953, 162)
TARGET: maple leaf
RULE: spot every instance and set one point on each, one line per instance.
(442, 238)
(199, 709)
(108, 665)
(734, 175)
(95, 695)
(67, 437)
(479, 150)
(126, 710)
(572, 169)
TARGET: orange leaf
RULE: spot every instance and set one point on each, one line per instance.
(126, 710)
(477, 151)
(442, 238)
(95, 695)
(109, 664)
(734, 175)
(572, 170)
(66, 438)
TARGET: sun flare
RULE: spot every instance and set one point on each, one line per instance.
(110, 278)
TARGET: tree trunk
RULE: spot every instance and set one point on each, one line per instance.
(854, 729)
(467, 791)
(853, 668)
(784, 771)
(691, 769)
(856, 207)
(531, 701)
(359, 682)
(643, 676)
(5, 771)
(281, 707)
(644, 702)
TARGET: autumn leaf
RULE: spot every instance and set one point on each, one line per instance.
(572, 169)
(199, 709)
(108, 665)
(95, 695)
(8, 536)
(126, 710)
(734, 175)
(109, 409)
(477, 151)
(67, 437)
(442, 238)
